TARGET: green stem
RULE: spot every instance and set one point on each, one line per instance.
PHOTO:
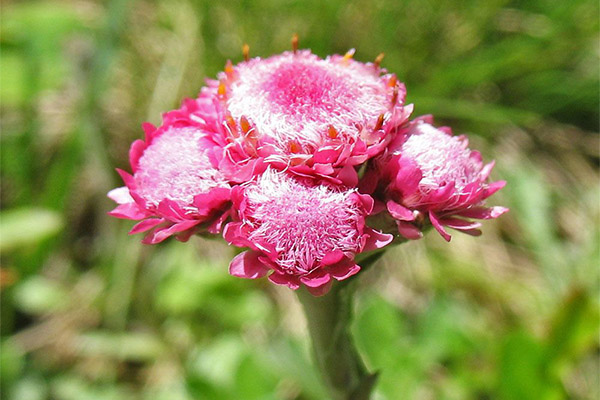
(329, 319)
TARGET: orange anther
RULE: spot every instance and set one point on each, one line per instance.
(379, 123)
(294, 147)
(395, 95)
(231, 126)
(349, 54)
(393, 81)
(295, 43)
(229, 68)
(244, 124)
(221, 90)
(378, 60)
(246, 51)
(332, 132)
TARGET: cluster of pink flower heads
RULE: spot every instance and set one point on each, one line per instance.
(306, 162)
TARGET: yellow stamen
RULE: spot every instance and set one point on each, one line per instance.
(244, 124)
(395, 95)
(332, 132)
(378, 60)
(393, 80)
(231, 125)
(229, 68)
(349, 54)
(222, 90)
(295, 43)
(294, 147)
(246, 51)
(379, 123)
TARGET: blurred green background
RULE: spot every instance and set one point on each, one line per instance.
(88, 313)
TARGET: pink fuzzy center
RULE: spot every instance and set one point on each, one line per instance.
(295, 98)
(442, 158)
(176, 167)
(303, 222)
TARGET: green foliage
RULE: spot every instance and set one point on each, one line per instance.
(89, 313)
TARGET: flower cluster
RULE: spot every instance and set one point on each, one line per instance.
(306, 162)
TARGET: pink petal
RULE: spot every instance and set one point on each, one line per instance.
(494, 187)
(409, 231)
(343, 270)
(438, 227)
(376, 240)
(483, 212)
(399, 212)
(246, 265)
(348, 176)
(327, 155)
(146, 225)
(135, 153)
(120, 195)
(459, 224)
(161, 234)
(319, 290)
(316, 279)
(129, 211)
(284, 279)
(332, 258)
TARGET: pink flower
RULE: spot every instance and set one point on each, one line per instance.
(311, 116)
(176, 187)
(299, 231)
(429, 172)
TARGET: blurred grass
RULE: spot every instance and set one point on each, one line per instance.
(89, 313)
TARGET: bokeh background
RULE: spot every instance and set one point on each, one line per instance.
(88, 313)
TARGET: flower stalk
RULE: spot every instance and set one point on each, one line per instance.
(329, 318)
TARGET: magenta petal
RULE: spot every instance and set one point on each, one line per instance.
(127, 178)
(206, 203)
(399, 212)
(348, 176)
(148, 130)
(145, 225)
(343, 270)
(494, 187)
(319, 279)
(246, 265)
(161, 234)
(232, 233)
(170, 210)
(332, 258)
(367, 202)
(438, 226)
(135, 153)
(409, 231)
(319, 290)
(283, 279)
(327, 155)
(128, 211)
(376, 240)
(459, 224)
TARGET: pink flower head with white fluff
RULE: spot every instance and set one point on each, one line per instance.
(301, 231)
(429, 171)
(313, 116)
(176, 187)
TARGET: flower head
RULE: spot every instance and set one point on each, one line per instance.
(176, 187)
(317, 117)
(428, 171)
(304, 232)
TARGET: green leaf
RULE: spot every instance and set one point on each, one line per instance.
(27, 226)
(38, 295)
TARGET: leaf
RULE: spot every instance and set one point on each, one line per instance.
(27, 226)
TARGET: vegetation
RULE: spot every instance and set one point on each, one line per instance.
(88, 313)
